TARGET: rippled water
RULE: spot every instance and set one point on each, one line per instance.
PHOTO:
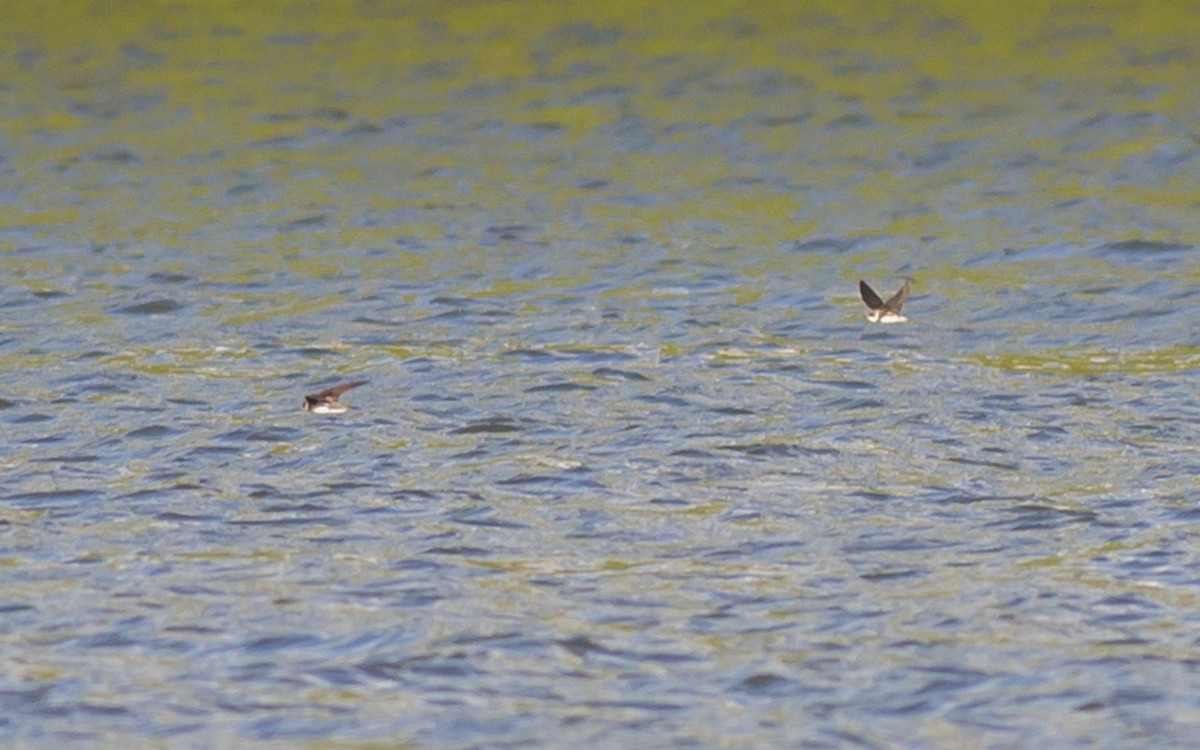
(632, 470)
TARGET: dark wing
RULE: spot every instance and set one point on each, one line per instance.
(335, 391)
(338, 390)
(897, 300)
(869, 296)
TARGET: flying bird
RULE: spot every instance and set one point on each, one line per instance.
(879, 311)
(326, 402)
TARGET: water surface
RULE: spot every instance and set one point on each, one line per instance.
(632, 470)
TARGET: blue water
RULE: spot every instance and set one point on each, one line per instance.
(632, 469)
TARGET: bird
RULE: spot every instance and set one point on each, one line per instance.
(326, 402)
(879, 311)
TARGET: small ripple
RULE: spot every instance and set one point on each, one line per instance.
(52, 499)
(316, 352)
(732, 411)
(313, 507)
(1029, 516)
(826, 246)
(153, 431)
(435, 666)
(530, 354)
(217, 449)
(414, 494)
(475, 518)
(781, 450)
(616, 374)
(459, 551)
(770, 684)
(319, 521)
(271, 644)
(854, 404)
(81, 458)
(154, 307)
(174, 517)
(986, 464)
(888, 575)
(532, 479)
(665, 400)
(852, 385)
(560, 388)
(1045, 434)
(271, 434)
(490, 425)
(165, 277)
(34, 418)
(1143, 249)
(890, 543)
(692, 453)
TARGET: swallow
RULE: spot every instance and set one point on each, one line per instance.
(326, 402)
(879, 311)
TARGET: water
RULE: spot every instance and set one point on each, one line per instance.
(631, 470)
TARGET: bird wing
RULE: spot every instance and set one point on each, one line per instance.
(338, 390)
(333, 392)
(869, 296)
(897, 300)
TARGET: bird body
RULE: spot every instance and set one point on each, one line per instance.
(879, 311)
(326, 402)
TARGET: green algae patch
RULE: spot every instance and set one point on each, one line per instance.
(1093, 361)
